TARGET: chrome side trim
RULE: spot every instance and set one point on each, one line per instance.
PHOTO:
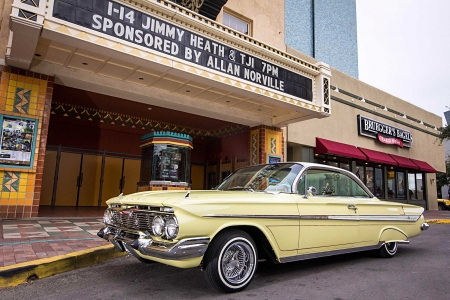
(289, 217)
(424, 226)
(353, 217)
(328, 253)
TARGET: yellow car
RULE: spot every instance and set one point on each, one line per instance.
(280, 212)
(443, 204)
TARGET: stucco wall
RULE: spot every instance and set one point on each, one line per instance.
(267, 17)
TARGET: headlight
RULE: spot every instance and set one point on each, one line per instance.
(158, 225)
(171, 228)
(107, 217)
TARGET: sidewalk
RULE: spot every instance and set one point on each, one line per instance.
(45, 246)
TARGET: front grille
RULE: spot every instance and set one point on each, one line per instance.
(136, 220)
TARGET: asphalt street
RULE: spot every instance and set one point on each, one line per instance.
(420, 270)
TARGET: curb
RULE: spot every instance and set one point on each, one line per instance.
(438, 221)
(20, 273)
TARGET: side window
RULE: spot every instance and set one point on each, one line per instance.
(329, 183)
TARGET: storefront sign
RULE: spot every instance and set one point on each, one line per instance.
(385, 133)
(390, 141)
(120, 21)
(17, 141)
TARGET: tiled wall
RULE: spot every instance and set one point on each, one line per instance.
(264, 141)
(21, 187)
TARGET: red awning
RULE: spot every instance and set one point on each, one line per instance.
(379, 157)
(340, 149)
(424, 166)
(404, 162)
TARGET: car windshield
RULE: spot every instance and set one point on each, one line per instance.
(271, 178)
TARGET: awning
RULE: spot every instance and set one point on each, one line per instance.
(340, 149)
(379, 157)
(404, 162)
(424, 166)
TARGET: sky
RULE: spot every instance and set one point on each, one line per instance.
(404, 50)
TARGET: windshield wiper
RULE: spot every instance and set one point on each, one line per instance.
(241, 188)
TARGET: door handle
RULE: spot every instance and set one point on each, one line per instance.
(352, 207)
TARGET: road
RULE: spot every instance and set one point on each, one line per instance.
(420, 270)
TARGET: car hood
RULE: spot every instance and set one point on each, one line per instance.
(181, 198)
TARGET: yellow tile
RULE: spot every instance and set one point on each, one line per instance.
(33, 100)
(11, 95)
(9, 108)
(11, 89)
(20, 84)
(21, 196)
(22, 189)
(10, 101)
(34, 93)
(32, 111)
(13, 83)
(28, 86)
(13, 195)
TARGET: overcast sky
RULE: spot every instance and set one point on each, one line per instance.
(404, 49)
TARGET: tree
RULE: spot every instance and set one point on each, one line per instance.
(444, 133)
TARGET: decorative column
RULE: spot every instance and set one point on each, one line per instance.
(266, 145)
(25, 102)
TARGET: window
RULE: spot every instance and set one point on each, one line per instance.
(236, 22)
(329, 183)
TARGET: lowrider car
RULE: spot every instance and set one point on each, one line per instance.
(280, 212)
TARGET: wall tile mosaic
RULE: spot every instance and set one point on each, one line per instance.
(24, 94)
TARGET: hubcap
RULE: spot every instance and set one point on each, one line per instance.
(391, 247)
(238, 262)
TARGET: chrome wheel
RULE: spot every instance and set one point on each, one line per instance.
(391, 248)
(388, 250)
(237, 261)
(230, 261)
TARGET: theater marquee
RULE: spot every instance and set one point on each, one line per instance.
(120, 21)
(385, 133)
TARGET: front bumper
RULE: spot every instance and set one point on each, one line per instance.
(142, 242)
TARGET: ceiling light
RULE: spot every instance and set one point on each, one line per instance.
(37, 54)
(84, 63)
(188, 91)
(140, 78)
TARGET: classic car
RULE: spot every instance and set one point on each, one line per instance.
(279, 212)
(443, 204)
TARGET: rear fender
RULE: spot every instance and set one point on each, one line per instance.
(392, 235)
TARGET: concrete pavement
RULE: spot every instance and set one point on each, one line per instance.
(41, 247)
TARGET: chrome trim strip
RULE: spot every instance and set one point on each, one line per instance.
(328, 253)
(288, 217)
(353, 217)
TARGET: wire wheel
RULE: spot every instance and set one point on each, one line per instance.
(237, 262)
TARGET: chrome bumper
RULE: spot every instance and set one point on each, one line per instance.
(424, 226)
(145, 245)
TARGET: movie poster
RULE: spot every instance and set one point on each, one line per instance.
(17, 139)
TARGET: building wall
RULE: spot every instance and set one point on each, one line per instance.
(267, 17)
(325, 30)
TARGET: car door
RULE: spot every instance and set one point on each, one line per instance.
(328, 215)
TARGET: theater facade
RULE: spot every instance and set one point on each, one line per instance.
(106, 97)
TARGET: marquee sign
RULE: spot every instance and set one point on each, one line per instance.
(385, 133)
(122, 22)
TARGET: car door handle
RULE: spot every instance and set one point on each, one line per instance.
(352, 207)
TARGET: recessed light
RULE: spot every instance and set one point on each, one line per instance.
(259, 109)
(37, 54)
(149, 108)
(84, 63)
(140, 78)
(188, 91)
(228, 101)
